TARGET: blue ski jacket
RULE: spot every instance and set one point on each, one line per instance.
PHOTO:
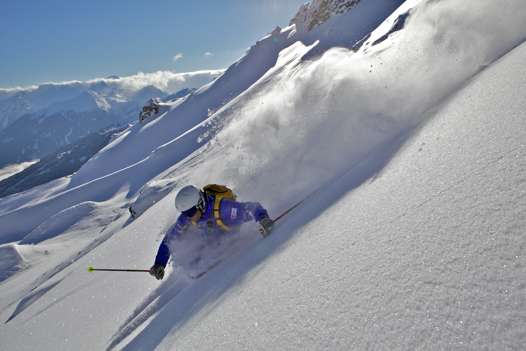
(232, 213)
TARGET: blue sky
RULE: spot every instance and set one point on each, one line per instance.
(57, 40)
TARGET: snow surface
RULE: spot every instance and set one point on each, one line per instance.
(149, 194)
(410, 148)
(428, 254)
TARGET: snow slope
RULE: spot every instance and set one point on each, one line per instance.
(413, 241)
(428, 254)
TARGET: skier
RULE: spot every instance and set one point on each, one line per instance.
(214, 208)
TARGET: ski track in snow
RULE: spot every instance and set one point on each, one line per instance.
(34, 293)
(165, 293)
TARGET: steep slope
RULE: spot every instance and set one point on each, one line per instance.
(429, 254)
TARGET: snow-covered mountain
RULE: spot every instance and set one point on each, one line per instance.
(401, 126)
(105, 93)
(38, 120)
(61, 163)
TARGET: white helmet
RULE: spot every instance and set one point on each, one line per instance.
(187, 198)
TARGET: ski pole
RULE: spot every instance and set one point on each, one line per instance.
(288, 210)
(91, 269)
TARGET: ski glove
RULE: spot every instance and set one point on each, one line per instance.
(267, 225)
(157, 271)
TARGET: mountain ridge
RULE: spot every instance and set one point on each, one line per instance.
(80, 108)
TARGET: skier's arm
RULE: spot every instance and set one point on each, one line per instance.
(253, 210)
(259, 214)
(163, 253)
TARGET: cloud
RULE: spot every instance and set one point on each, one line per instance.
(178, 57)
(165, 80)
(13, 90)
(208, 54)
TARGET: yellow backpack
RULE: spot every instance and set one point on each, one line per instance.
(219, 192)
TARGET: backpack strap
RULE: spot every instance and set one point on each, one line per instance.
(196, 217)
(217, 214)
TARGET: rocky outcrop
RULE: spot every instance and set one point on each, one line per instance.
(317, 12)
